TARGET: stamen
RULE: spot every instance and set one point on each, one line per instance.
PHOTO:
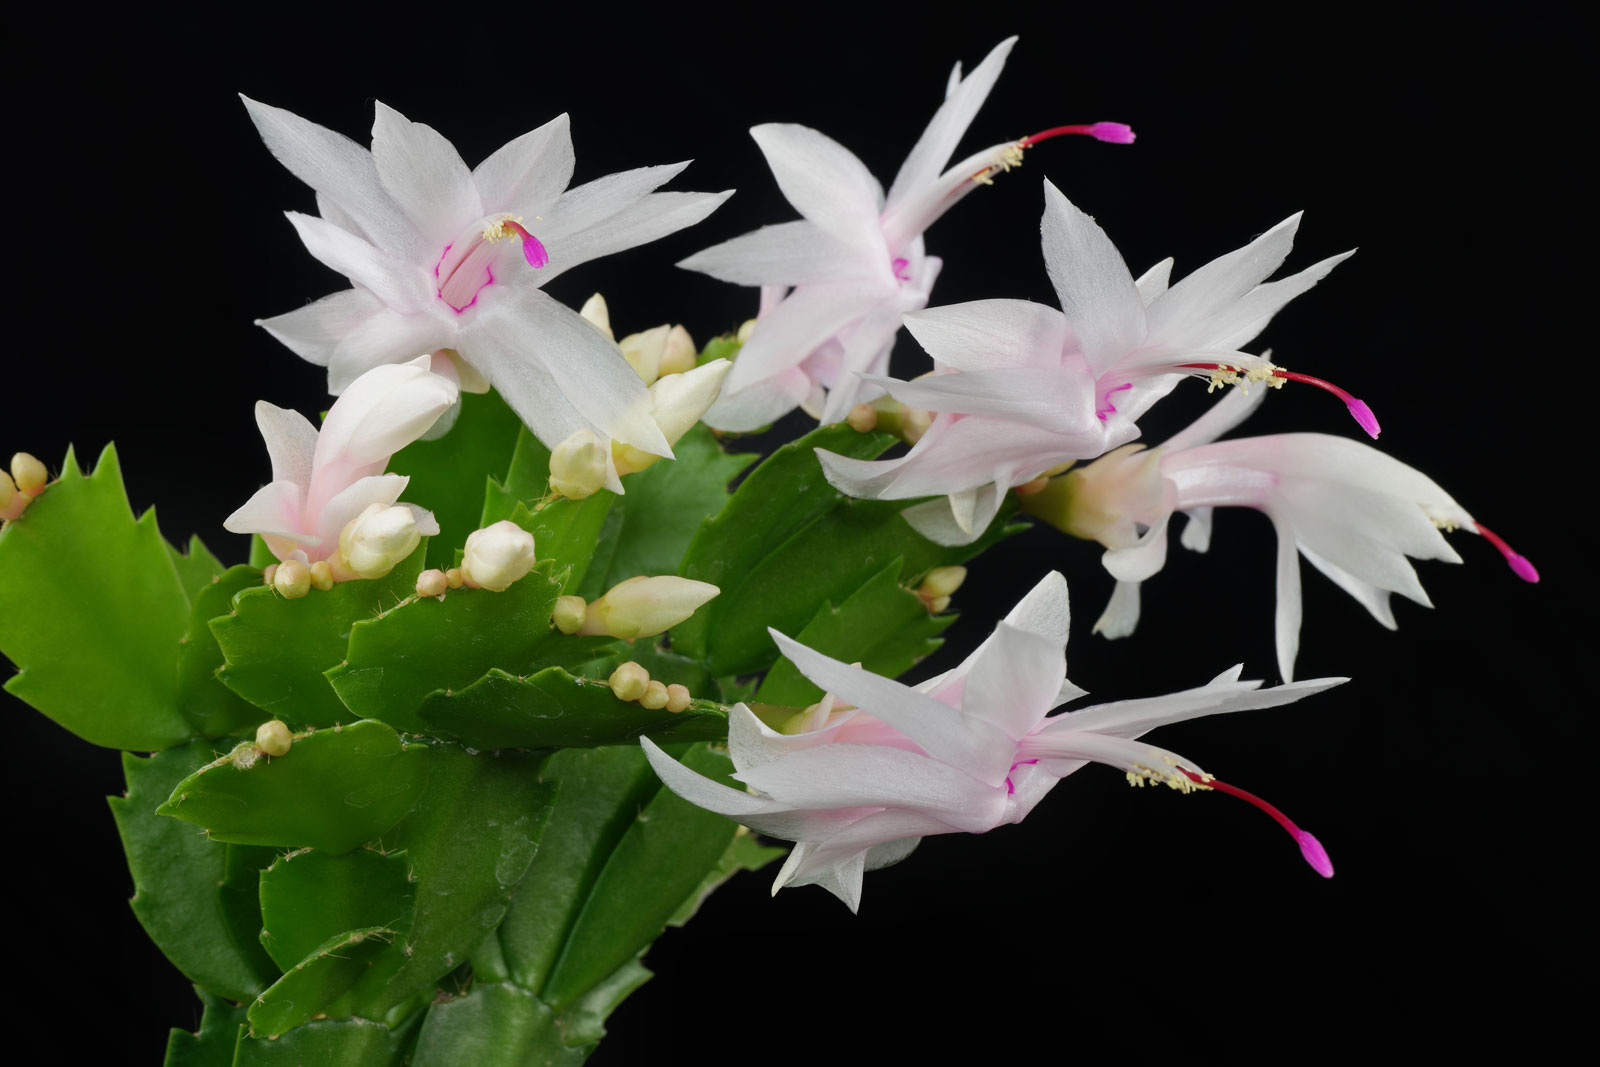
(532, 249)
(1310, 847)
(1227, 374)
(1519, 564)
(1109, 132)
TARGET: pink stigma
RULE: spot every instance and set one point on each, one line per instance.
(1109, 132)
(1519, 563)
(1110, 408)
(1310, 847)
(1358, 408)
(532, 250)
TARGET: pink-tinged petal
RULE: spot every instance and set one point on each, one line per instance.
(526, 176)
(1235, 406)
(1196, 535)
(933, 149)
(314, 331)
(333, 514)
(957, 519)
(866, 345)
(274, 511)
(1014, 683)
(990, 335)
(427, 522)
(383, 411)
(979, 749)
(384, 338)
(702, 791)
(1134, 757)
(1096, 291)
(592, 203)
(1059, 399)
(647, 219)
(588, 370)
(1286, 620)
(825, 182)
(291, 442)
(1153, 282)
(1213, 287)
(1224, 694)
(1237, 324)
(789, 253)
(402, 286)
(1369, 596)
(870, 843)
(339, 170)
(424, 174)
(1142, 560)
(1121, 616)
(761, 404)
(797, 327)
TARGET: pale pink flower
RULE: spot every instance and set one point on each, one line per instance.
(323, 479)
(447, 259)
(970, 750)
(836, 282)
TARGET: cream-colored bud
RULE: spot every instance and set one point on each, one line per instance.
(454, 578)
(578, 465)
(12, 499)
(1105, 500)
(375, 540)
(655, 696)
(273, 737)
(292, 579)
(569, 614)
(598, 315)
(644, 607)
(269, 573)
(322, 575)
(942, 581)
(680, 355)
(916, 424)
(746, 328)
(497, 555)
(681, 399)
(863, 418)
(29, 474)
(8, 489)
(629, 681)
(678, 698)
(432, 583)
(938, 604)
(643, 351)
(1034, 487)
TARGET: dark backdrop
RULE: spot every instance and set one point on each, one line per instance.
(146, 234)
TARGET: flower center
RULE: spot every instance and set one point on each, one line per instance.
(1310, 847)
(467, 264)
(1274, 377)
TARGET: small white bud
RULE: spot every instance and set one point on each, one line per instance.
(578, 465)
(322, 575)
(273, 737)
(680, 354)
(292, 579)
(916, 424)
(678, 698)
(598, 315)
(569, 614)
(269, 573)
(655, 696)
(432, 583)
(746, 328)
(863, 418)
(942, 581)
(680, 399)
(644, 351)
(644, 607)
(30, 475)
(454, 578)
(497, 555)
(629, 681)
(375, 540)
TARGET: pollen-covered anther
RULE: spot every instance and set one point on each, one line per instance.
(501, 228)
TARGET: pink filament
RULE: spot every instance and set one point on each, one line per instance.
(1310, 847)
(1519, 564)
(1358, 408)
(1109, 132)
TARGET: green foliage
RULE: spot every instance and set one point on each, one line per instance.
(527, 479)
(449, 475)
(330, 1043)
(882, 625)
(211, 707)
(309, 896)
(278, 650)
(195, 897)
(334, 790)
(495, 1025)
(744, 853)
(308, 987)
(214, 1044)
(565, 533)
(197, 568)
(92, 609)
(552, 709)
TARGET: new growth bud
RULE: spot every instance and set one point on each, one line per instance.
(273, 737)
(597, 314)
(629, 681)
(30, 475)
(680, 400)
(432, 583)
(644, 607)
(497, 555)
(322, 575)
(655, 696)
(569, 614)
(373, 542)
(292, 579)
(12, 501)
(578, 465)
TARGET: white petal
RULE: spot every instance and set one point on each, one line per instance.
(527, 175)
(933, 149)
(383, 411)
(760, 404)
(314, 331)
(1139, 562)
(1235, 406)
(825, 182)
(401, 285)
(1369, 596)
(991, 334)
(424, 174)
(291, 442)
(1286, 621)
(798, 326)
(351, 501)
(702, 791)
(1122, 612)
(866, 345)
(1225, 693)
(1237, 324)
(790, 253)
(340, 170)
(1060, 399)
(387, 337)
(940, 521)
(1219, 283)
(1014, 683)
(648, 219)
(1153, 282)
(1096, 291)
(275, 510)
(1196, 535)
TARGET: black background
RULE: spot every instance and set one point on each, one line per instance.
(145, 235)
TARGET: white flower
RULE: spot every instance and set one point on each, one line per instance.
(450, 259)
(497, 555)
(321, 480)
(1354, 512)
(1034, 388)
(968, 751)
(835, 283)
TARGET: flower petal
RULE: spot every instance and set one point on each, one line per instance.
(1204, 292)
(798, 326)
(527, 175)
(1121, 616)
(991, 334)
(1096, 291)
(351, 501)
(789, 253)
(314, 331)
(384, 338)
(1238, 323)
(402, 286)
(1286, 620)
(760, 404)
(647, 219)
(273, 510)
(291, 442)
(1235, 406)
(424, 174)
(949, 124)
(1014, 683)
(1059, 399)
(826, 183)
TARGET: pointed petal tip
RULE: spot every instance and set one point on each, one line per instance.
(1314, 853)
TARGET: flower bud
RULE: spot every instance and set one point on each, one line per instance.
(30, 475)
(655, 696)
(569, 614)
(381, 536)
(680, 400)
(644, 607)
(292, 579)
(454, 578)
(269, 573)
(273, 737)
(643, 351)
(629, 681)
(12, 499)
(597, 314)
(322, 575)
(942, 581)
(746, 328)
(863, 418)
(432, 583)
(497, 555)
(678, 698)
(578, 465)
(680, 355)
(1102, 501)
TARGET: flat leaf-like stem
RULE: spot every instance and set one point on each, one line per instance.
(308, 896)
(211, 707)
(307, 987)
(334, 790)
